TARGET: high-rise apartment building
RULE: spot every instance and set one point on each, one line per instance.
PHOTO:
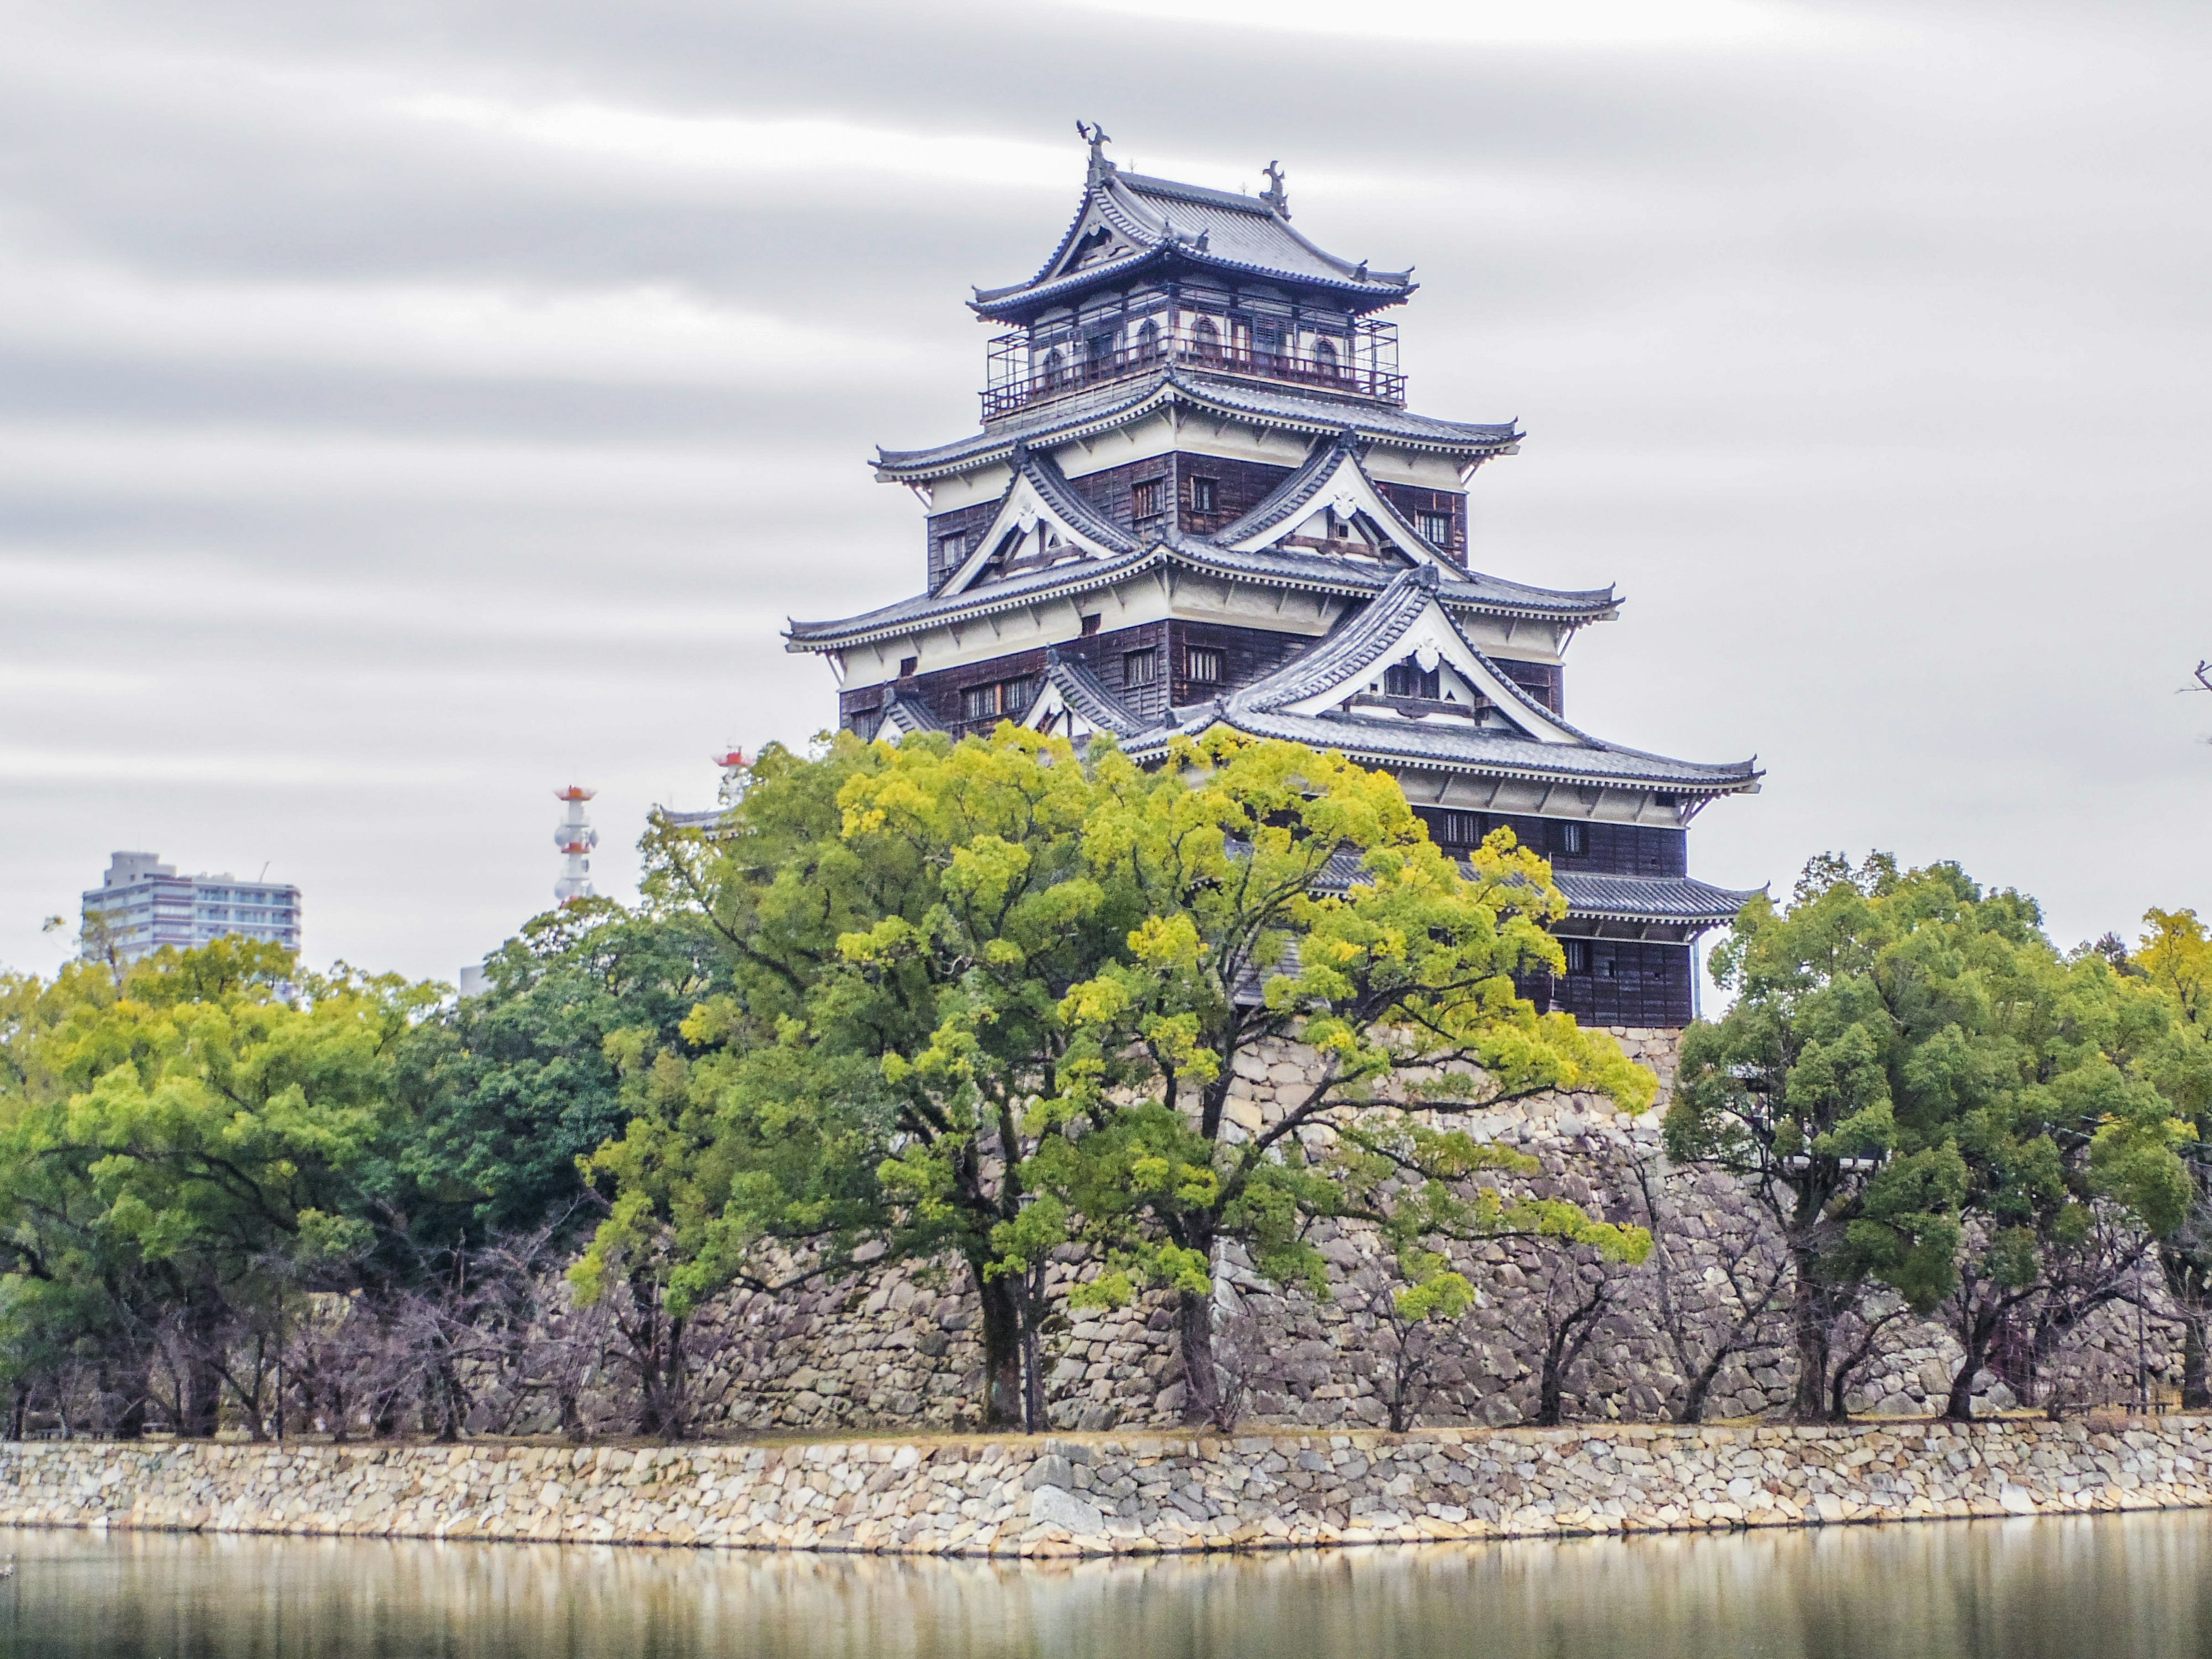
(142, 904)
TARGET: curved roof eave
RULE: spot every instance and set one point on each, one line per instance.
(1003, 305)
(1734, 778)
(949, 460)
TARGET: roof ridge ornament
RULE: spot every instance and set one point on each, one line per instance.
(1275, 196)
(1097, 137)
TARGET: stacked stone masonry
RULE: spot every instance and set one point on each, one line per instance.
(1121, 1494)
(897, 1347)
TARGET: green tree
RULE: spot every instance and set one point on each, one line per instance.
(1288, 898)
(505, 1091)
(1030, 974)
(1928, 1096)
(2175, 957)
(187, 1146)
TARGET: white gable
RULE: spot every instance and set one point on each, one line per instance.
(1434, 644)
(1348, 493)
(1023, 513)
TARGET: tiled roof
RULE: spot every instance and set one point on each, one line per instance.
(910, 714)
(1312, 572)
(1452, 745)
(1439, 745)
(1086, 694)
(1649, 898)
(1472, 590)
(1072, 504)
(1349, 649)
(1119, 402)
(1292, 496)
(1604, 897)
(1075, 575)
(1162, 220)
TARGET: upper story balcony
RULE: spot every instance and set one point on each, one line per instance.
(1032, 365)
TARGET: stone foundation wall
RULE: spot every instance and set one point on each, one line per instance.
(896, 1347)
(1127, 1494)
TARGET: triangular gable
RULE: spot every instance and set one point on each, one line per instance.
(1038, 506)
(1100, 237)
(1406, 621)
(901, 717)
(1075, 703)
(1333, 480)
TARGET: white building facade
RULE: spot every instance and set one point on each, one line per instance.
(142, 904)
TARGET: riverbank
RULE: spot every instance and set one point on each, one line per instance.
(1122, 1493)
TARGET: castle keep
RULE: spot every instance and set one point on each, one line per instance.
(1198, 498)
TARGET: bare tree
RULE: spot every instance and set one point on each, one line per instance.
(1711, 1307)
(1857, 1343)
(1408, 1351)
(1580, 1287)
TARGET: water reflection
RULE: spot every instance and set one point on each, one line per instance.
(2113, 1588)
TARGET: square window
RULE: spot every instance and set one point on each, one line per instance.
(1455, 829)
(1202, 664)
(1140, 668)
(1577, 953)
(979, 703)
(1567, 841)
(1201, 495)
(907, 666)
(1409, 679)
(1436, 529)
(1089, 624)
(1145, 499)
(951, 549)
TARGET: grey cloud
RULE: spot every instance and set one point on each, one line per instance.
(1874, 373)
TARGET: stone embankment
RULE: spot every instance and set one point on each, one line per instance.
(1119, 1494)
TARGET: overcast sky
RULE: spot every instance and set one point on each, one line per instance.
(408, 409)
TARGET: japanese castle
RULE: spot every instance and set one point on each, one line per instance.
(1198, 498)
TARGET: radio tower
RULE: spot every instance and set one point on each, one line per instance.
(575, 838)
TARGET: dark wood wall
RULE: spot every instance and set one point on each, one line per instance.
(1617, 849)
(1238, 487)
(1546, 682)
(1246, 654)
(970, 521)
(1630, 982)
(1413, 501)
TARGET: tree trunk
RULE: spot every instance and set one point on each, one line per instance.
(2196, 1385)
(200, 1385)
(1551, 1394)
(1693, 1408)
(1810, 1327)
(453, 1400)
(1201, 1382)
(662, 1415)
(1002, 1349)
(1960, 1408)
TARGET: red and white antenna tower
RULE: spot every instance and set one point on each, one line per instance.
(575, 838)
(737, 774)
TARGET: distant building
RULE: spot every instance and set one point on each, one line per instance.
(142, 904)
(737, 778)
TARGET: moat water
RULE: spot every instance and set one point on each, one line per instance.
(2111, 1588)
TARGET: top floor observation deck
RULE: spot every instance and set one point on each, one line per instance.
(1343, 358)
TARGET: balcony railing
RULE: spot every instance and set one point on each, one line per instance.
(1022, 372)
